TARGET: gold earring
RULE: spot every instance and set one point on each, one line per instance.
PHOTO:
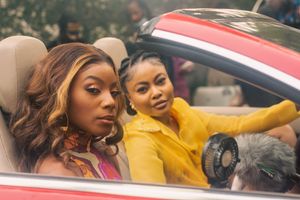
(132, 106)
(66, 127)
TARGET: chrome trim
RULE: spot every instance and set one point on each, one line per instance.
(254, 64)
(129, 189)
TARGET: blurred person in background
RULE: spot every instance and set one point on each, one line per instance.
(296, 188)
(274, 8)
(69, 31)
(266, 164)
(285, 134)
(138, 13)
(181, 69)
(256, 97)
(285, 11)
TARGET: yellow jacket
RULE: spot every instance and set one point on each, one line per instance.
(156, 154)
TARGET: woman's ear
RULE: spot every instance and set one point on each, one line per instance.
(129, 108)
(237, 184)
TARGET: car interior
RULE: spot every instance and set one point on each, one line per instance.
(18, 55)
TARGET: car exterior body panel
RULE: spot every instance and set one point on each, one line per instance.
(223, 36)
(29, 186)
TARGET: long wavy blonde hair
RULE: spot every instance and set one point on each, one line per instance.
(40, 114)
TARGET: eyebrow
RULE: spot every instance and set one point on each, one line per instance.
(99, 80)
(159, 75)
(146, 83)
(142, 83)
(94, 78)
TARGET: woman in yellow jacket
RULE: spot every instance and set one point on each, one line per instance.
(164, 140)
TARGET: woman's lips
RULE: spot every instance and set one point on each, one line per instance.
(108, 120)
(161, 104)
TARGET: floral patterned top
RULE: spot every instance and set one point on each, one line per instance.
(92, 162)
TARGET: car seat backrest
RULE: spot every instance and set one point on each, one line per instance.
(18, 55)
(217, 95)
(114, 47)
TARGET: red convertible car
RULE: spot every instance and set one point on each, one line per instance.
(248, 46)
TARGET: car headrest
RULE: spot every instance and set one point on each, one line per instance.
(114, 47)
(18, 55)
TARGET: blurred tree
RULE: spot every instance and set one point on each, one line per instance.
(99, 18)
(39, 18)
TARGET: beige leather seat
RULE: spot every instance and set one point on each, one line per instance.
(18, 54)
(114, 47)
(217, 95)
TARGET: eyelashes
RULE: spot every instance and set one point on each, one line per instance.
(115, 94)
(142, 90)
(93, 90)
(96, 91)
(161, 81)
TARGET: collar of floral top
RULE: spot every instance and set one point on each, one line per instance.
(74, 141)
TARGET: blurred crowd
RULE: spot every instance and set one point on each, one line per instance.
(285, 11)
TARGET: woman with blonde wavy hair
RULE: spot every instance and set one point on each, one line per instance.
(67, 120)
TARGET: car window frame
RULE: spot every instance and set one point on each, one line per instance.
(237, 70)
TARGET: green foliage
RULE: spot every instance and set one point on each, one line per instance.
(38, 18)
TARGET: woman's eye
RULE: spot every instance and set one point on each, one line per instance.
(116, 93)
(161, 81)
(93, 90)
(142, 90)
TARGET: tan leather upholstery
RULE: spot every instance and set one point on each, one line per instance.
(216, 95)
(17, 56)
(114, 47)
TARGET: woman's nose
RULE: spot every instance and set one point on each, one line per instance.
(156, 92)
(108, 101)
